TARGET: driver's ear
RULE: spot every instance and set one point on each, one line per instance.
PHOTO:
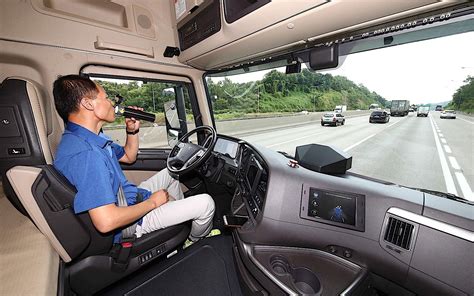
(87, 104)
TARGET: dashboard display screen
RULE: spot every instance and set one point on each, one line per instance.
(253, 173)
(226, 147)
(252, 176)
(332, 206)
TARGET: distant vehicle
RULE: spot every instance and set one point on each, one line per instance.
(448, 114)
(374, 106)
(411, 110)
(414, 107)
(439, 108)
(332, 118)
(304, 112)
(379, 116)
(399, 108)
(423, 111)
(340, 108)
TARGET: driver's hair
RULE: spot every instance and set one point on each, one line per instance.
(69, 90)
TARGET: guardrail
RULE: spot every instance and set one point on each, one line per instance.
(248, 126)
(155, 136)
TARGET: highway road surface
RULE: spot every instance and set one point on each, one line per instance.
(430, 153)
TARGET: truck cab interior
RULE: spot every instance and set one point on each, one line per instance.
(290, 223)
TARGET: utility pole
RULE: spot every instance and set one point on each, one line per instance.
(153, 96)
(258, 99)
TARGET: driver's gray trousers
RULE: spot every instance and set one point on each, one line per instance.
(198, 208)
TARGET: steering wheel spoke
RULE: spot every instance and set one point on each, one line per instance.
(185, 157)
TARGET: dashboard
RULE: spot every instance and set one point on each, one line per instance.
(387, 228)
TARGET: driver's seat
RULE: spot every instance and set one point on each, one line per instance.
(91, 261)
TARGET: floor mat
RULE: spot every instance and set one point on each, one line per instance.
(205, 268)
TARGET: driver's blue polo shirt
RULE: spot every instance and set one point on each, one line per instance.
(90, 162)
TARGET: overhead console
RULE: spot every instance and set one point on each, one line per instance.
(205, 22)
(237, 31)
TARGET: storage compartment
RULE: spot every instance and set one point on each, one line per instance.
(235, 10)
(311, 272)
(106, 11)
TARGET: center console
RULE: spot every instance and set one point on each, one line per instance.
(252, 180)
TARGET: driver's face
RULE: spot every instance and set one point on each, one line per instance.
(104, 107)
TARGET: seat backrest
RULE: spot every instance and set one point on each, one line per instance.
(48, 198)
(30, 128)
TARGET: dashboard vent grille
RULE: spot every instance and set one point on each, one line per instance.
(398, 233)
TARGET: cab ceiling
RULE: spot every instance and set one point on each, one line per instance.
(282, 26)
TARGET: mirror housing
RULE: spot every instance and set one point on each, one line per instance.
(324, 57)
(173, 126)
(293, 68)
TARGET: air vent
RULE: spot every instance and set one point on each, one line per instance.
(398, 233)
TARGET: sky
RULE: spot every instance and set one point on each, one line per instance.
(423, 72)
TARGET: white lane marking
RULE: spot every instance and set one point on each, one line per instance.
(447, 149)
(466, 189)
(471, 122)
(443, 140)
(454, 163)
(358, 143)
(365, 139)
(440, 135)
(292, 140)
(448, 179)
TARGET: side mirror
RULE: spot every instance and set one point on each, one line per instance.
(173, 136)
(172, 122)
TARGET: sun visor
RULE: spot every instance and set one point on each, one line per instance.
(323, 159)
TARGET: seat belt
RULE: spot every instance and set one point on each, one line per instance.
(129, 232)
(122, 254)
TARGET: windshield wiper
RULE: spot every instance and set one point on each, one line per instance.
(443, 194)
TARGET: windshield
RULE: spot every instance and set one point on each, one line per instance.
(282, 111)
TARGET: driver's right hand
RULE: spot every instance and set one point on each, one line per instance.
(159, 197)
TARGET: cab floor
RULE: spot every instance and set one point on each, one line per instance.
(204, 268)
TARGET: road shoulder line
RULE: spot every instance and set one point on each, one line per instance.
(448, 178)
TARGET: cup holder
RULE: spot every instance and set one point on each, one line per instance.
(302, 279)
(280, 265)
(306, 282)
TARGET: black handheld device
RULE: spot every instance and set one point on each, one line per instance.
(137, 114)
(130, 112)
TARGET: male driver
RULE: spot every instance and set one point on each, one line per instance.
(90, 161)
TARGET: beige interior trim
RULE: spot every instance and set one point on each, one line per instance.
(103, 70)
(39, 112)
(22, 179)
(29, 264)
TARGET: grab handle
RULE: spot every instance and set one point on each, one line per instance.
(100, 44)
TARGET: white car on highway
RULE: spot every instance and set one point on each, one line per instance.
(333, 118)
(448, 114)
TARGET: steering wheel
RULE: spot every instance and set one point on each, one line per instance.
(185, 157)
